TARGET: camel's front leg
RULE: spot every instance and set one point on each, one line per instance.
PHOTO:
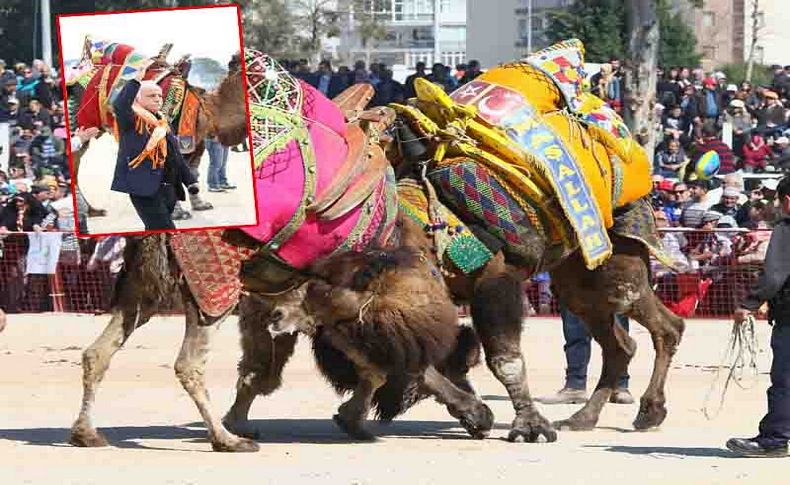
(190, 369)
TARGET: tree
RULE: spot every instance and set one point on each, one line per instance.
(206, 73)
(369, 17)
(640, 70)
(268, 27)
(316, 20)
(600, 24)
(757, 26)
(678, 43)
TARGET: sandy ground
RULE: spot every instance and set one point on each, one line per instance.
(231, 208)
(158, 438)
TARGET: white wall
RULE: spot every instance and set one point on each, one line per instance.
(491, 31)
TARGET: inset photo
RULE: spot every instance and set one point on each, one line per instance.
(157, 120)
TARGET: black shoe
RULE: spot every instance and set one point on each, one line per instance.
(216, 189)
(754, 448)
(227, 186)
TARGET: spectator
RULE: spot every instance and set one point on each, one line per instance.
(471, 73)
(671, 159)
(409, 91)
(327, 81)
(756, 154)
(710, 141)
(710, 101)
(34, 116)
(782, 153)
(741, 122)
(23, 213)
(440, 76)
(692, 214)
(388, 90)
(690, 106)
(361, 73)
(674, 124)
(668, 92)
(729, 205)
(772, 113)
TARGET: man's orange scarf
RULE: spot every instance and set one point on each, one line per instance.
(156, 148)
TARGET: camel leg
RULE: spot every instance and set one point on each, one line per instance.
(95, 361)
(666, 330)
(196, 201)
(190, 369)
(466, 407)
(352, 414)
(617, 349)
(261, 365)
(497, 312)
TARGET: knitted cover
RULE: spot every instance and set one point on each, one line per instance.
(463, 249)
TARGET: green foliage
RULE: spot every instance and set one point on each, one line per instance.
(369, 20)
(737, 72)
(600, 24)
(206, 73)
(678, 43)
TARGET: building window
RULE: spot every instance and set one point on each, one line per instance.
(397, 9)
(708, 20)
(444, 6)
(759, 54)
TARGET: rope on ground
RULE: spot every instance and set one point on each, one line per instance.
(738, 365)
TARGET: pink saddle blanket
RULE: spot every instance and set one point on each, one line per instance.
(295, 176)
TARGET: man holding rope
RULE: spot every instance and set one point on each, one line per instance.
(773, 287)
(149, 167)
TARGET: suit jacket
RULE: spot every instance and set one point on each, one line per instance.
(144, 180)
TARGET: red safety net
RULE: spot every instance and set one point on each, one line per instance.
(708, 289)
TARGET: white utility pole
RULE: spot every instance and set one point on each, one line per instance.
(437, 51)
(46, 34)
(529, 26)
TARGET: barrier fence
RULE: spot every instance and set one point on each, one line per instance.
(708, 289)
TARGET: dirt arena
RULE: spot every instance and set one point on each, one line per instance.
(158, 437)
(231, 208)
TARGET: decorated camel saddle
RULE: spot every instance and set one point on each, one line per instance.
(101, 74)
(523, 142)
(322, 181)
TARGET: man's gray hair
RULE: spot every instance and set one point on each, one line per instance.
(146, 84)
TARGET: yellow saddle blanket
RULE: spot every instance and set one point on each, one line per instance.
(529, 123)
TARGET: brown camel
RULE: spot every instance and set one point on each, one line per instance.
(495, 294)
(389, 314)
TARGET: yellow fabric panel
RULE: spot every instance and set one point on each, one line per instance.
(529, 82)
(598, 176)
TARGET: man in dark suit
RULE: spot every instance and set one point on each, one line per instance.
(149, 167)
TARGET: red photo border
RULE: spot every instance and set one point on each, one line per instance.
(68, 127)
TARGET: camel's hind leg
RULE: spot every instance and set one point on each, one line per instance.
(617, 349)
(666, 330)
(95, 361)
(622, 285)
(261, 365)
(190, 369)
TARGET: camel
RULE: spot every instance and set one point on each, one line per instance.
(494, 292)
(388, 314)
(205, 120)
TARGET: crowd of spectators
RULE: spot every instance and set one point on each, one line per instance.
(332, 82)
(35, 185)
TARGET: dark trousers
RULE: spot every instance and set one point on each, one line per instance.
(155, 211)
(775, 426)
(577, 349)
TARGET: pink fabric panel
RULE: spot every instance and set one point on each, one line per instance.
(279, 184)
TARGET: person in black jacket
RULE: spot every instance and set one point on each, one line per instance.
(149, 167)
(773, 287)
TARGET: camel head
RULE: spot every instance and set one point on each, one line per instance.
(228, 111)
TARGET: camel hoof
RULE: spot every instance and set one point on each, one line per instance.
(477, 422)
(241, 445)
(650, 416)
(353, 429)
(573, 425)
(241, 428)
(530, 429)
(87, 438)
